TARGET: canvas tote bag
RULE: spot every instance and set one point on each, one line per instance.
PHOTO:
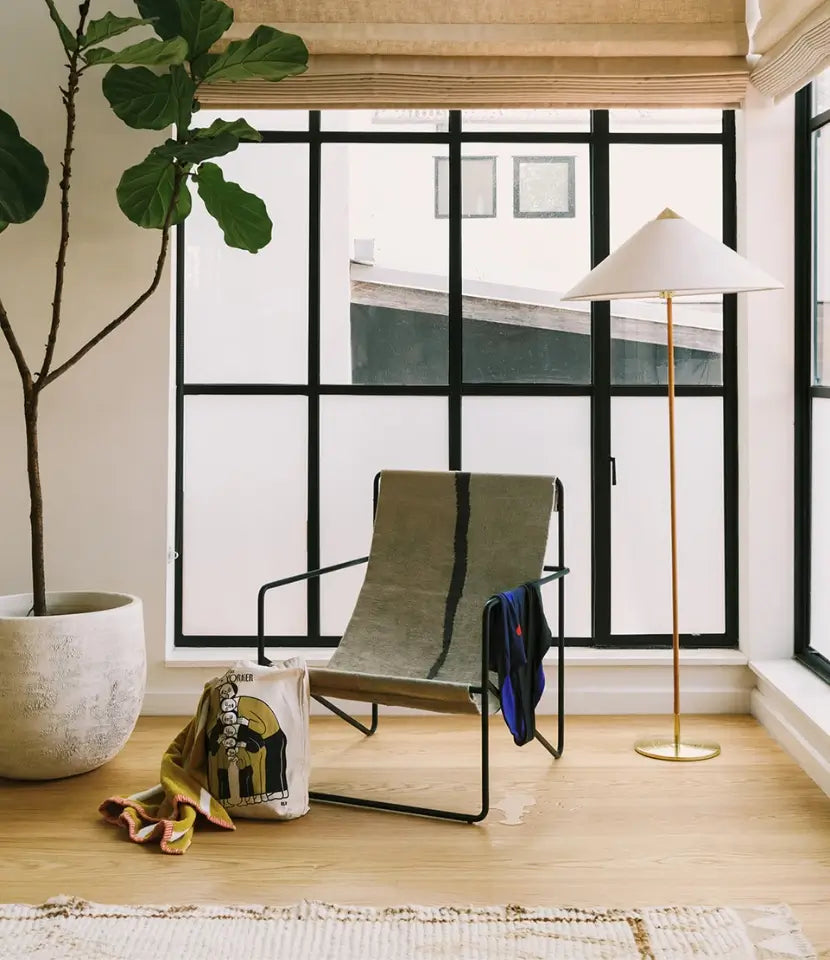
(258, 740)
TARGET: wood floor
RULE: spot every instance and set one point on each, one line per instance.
(607, 828)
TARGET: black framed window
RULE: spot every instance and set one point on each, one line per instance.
(812, 376)
(479, 187)
(544, 186)
(375, 331)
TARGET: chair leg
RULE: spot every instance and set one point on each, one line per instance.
(409, 808)
(348, 717)
(556, 752)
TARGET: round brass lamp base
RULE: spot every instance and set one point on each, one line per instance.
(663, 748)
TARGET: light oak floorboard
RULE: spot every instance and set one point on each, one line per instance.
(607, 827)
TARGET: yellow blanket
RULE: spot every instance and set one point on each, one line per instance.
(169, 811)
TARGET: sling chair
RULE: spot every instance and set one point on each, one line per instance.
(444, 544)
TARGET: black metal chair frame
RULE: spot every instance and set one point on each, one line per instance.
(485, 690)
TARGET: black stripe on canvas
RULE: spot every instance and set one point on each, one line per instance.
(459, 567)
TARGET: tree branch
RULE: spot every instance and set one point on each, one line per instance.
(131, 309)
(14, 346)
(60, 264)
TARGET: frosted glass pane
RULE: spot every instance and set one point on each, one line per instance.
(383, 265)
(820, 534)
(526, 121)
(258, 119)
(645, 179)
(640, 528)
(681, 120)
(821, 256)
(550, 435)
(821, 93)
(385, 121)
(518, 264)
(244, 513)
(358, 437)
(246, 315)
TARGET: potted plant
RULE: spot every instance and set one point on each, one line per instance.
(74, 663)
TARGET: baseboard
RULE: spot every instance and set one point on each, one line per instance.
(595, 689)
(788, 718)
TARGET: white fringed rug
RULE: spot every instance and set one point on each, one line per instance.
(68, 929)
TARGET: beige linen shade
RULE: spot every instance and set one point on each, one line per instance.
(793, 39)
(500, 53)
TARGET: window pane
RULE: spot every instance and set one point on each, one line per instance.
(640, 528)
(515, 269)
(424, 120)
(821, 257)
(258, 119)
(666, 121)
(246, 316)
(545, 121)
(645, 179)
(383, 266)
(820, 533)
(244, 513)
(547, 435)
(358, 437)
(821, 93)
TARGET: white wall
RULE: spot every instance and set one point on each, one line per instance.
(765, 380)
(105, 424)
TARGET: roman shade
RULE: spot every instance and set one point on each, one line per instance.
(501, 53)
(793, 39)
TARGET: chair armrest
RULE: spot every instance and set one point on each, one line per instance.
(558, 573)
(309, 575)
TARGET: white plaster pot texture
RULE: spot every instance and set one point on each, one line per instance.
(73, 682)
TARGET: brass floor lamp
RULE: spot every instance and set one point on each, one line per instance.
(670, 257)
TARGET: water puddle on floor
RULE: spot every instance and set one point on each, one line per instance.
(514, 806)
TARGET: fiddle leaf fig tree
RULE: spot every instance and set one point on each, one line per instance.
(152, 84)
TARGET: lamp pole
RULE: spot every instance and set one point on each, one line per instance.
(674, 749)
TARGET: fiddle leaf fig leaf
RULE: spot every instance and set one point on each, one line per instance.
(183, 91)
(152, 53)
(200, 66)
(268, 54)
(24, 175)
(198, 150)
(242, 216)
(165, 16)
(141, 98)
(203, 22)
(67, 37)
(149, 101)
(110, 26)
(241, 129)
(145, 193)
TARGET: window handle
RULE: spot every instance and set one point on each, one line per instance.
(613, 471)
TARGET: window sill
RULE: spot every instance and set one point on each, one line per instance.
(794, 706)
(574, 657)
(797, 684)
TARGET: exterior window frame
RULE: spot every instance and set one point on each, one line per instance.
(805, 386)
(601, 390)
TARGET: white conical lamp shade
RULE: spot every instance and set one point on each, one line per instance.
(669, 255)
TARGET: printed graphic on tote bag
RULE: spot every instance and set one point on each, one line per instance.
(246, 748)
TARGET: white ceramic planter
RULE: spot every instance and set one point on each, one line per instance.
(72, 682)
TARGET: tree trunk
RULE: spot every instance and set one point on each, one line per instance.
(30, 408)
